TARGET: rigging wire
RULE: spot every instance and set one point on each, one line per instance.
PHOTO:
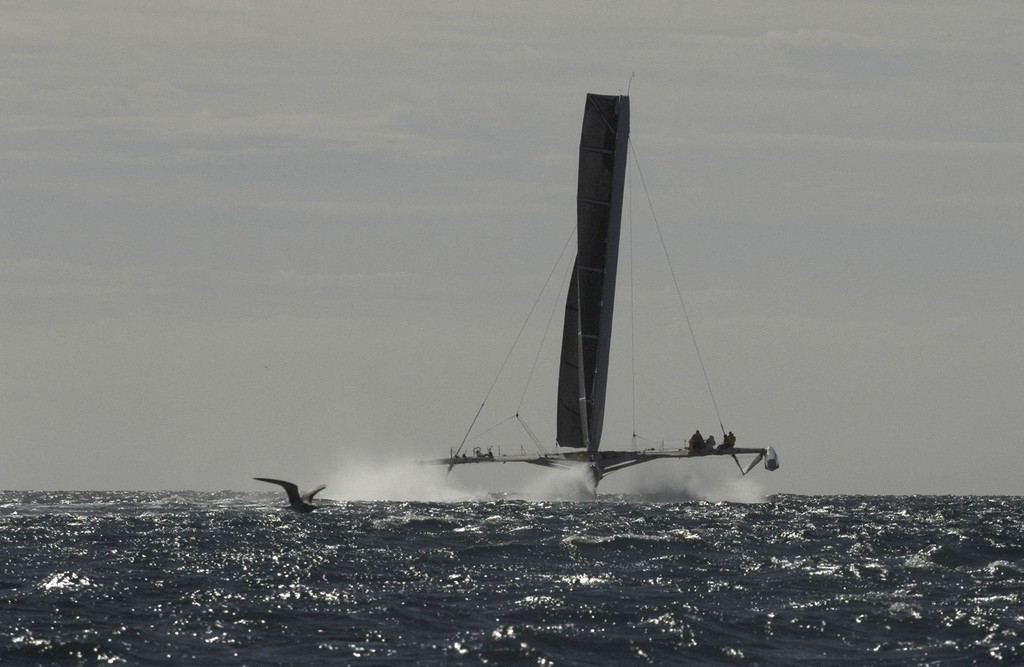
(514, 344)
(540, 348)
(533, 437)
(632, 300)
(490, 428)
(675, 281)
(547, 327)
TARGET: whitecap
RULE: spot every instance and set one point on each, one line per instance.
(69, 581)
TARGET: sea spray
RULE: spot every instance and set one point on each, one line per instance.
(680, 481)
(393, 480)
(410, 480)
(407, 480)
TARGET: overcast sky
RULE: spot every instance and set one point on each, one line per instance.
(297, 239)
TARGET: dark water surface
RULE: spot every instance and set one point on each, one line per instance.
(227, 578)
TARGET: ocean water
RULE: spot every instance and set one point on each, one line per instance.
(230, 578)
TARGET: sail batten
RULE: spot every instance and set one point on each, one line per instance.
(586, 335)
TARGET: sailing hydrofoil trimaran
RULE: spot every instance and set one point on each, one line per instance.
(586, 334)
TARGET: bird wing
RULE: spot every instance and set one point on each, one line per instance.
(308, 495)
(289, 488)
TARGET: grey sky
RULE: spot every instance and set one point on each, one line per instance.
(276, 239)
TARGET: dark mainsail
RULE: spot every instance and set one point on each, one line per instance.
(586, 336)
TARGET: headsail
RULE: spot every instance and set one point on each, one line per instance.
(586, 335)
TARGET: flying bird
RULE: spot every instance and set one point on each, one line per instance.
(299, 503)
